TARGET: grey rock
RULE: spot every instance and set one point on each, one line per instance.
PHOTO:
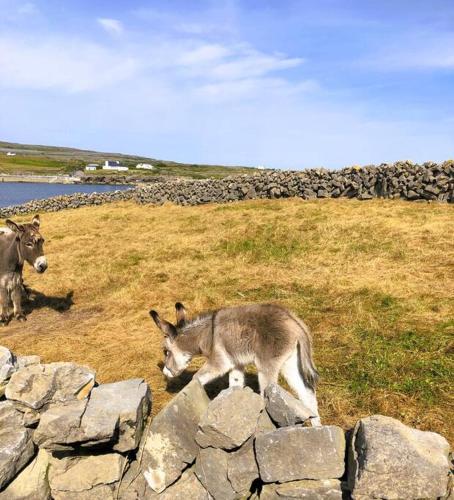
(24, 361)
(387, 459)
(59, 426)
(293, 453)
(85, 477)
(231, 419)
(16, 445)
(211, 469)
(38, 385)
(114, 414)
(31, 483)
(7, 364)
(242, 467)
(170, 444)
(115, 409)
(283, 408)
(264, 424)
(324, 489)
(187, 487)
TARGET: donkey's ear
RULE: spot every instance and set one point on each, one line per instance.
(181, 313)
(36, 221)
(16, 228)
(167, 328)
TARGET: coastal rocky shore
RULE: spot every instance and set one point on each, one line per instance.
(401, 180)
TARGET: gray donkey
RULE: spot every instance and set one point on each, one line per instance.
(267, 335)
(18, 243)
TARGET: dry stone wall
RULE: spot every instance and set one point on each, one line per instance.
(63, 437)
(430, 182)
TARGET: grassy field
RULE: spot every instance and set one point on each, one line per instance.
(49, 160)
(374, 280)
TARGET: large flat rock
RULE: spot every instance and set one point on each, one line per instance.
(293, 453)
(324, 489)
(118, 409)
(283, 408)
(85, 477)
(114, 414)
(7, 364)
(387, 459)
(16, 445)
(170, 444)
(242, 468)
(31, 483)
(35, 386)
(231, 419)
(211, 468)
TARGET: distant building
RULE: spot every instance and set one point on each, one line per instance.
(92, 166)
(114, 165)
(260, 167)
(10, 153)
(145, 166)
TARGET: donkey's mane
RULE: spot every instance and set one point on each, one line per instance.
(197, 321)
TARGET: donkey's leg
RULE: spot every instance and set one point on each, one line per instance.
(4, 301)
(212, 369)
(16, 297)
(291, 372)
(236, 378)
(268, 374)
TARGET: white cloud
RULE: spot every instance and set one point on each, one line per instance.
(70, 65)
(112, 26)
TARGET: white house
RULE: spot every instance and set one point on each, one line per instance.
(260, 167)
(92, 166)
(10, 153)
(114, 165)
(145, 166)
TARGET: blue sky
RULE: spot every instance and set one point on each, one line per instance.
(288, 84)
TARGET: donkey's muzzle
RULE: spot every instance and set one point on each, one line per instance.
(40, 264)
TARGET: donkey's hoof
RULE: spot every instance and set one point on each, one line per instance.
(21, 317)
(4, 321)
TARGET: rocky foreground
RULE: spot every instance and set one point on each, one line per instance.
(62, 436)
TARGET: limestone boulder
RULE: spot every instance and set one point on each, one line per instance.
(31, 483)
(283, 408)
(90, 477)
(242, 468)
(211, 468)
(24, 361)
(170, 445)
(36, 385)
(388, 459)
(231, 419)
(294, 453)
(324, 489)
(187, 487)
(7, 364)
(114, 414)
(59, 426)
(16, 445)
(117, 410)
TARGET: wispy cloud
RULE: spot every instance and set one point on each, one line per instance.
(66, 64)
(112, 26)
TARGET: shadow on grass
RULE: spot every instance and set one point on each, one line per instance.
(38, 300)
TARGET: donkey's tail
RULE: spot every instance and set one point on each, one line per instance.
(305, 360)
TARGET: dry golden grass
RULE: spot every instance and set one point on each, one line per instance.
(374, 280)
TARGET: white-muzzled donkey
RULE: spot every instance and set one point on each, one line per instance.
(267, 335)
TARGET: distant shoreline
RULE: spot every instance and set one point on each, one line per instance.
(49, 179)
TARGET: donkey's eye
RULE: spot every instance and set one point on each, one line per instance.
(166, 352)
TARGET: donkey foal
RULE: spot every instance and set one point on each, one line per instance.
(267, 335)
